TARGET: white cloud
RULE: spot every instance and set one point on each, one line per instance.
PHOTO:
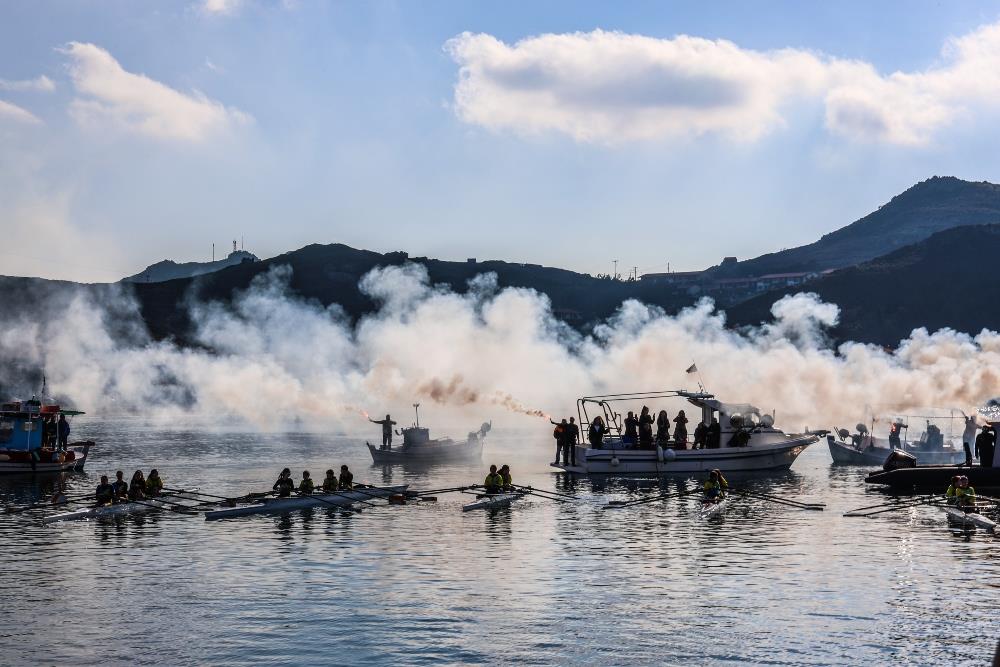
(40, 84)
(108, 94)
(609, 87)
(221, 7)
(15, 113)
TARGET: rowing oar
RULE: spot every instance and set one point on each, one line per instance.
(75, 499)
(758, 494)
(931, 501)
(418, 494)
(315, 496)
(617, 504)
(230, 502)
(554, 493)
(912, 501)
(780, 501)
(528, 491)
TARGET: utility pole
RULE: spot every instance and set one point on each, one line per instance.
(213, 252)
(635, 272)
(614, 276)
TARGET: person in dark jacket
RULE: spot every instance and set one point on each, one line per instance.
(700, 436)
(631, 436)
(713, 439)
(681, 430)
(285, 484)
(572, 438)
(346, 481)
(985, 446)
(387, 425)
(105, 493)
(662, 428)
(119, 487)
(596, 432)
(645, 429)
(137, 487)
(62, 429)
(559, 433)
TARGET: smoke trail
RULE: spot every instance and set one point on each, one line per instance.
(269, 357)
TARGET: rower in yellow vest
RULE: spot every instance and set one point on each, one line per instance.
(330, 482)
(508, 482)
(154, 485)
(306, 486)
(964, 493)
(716, 486)
(494, 481)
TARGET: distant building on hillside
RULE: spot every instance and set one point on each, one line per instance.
(171, 270)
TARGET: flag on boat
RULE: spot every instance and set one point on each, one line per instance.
(692, 369)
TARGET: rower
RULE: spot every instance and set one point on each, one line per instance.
(716, 485)
(306, 485)
(494, 481)
(329, 482)
(137, 488)
(508, 483)
(119, 487)
(952, 489)
(346, 481)
(965, 494)
(284, 485)
(105, 493)
(154, 485)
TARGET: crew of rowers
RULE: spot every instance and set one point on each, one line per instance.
(120, 491)
(499, 481)
(716, 487)
(961, 492)
(285, 485)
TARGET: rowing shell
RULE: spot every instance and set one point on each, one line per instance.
(710, 510)
(107, 510)
(970, 517)
(493, 501)
(277, 505)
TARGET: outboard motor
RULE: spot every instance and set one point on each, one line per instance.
(899, 459)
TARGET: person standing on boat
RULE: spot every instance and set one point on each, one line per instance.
(713, 438)
(306, 486)
(105, 493)
(681, 430)
(120, 487)
(154, 485)
(985, 445)
(894, 429)
(716, 486)
(631, 436)
(329, 482)
(387, 425)
(645, 429)
(559, 433)
(494, 481)
(346, 481)
(285, 484)
(700, 436)
(572, 438)
(662, 428)
(62, 429)
(596, 432)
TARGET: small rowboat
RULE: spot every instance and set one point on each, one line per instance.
(107, 510)
(713, 508)
(962, 516)
(491, 501)
(278, 505)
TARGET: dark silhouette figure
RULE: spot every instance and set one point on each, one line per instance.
(596, 432)
(700, 436)
(387, 425)
(681, 430)
(985, 446)
(645, 429)
(714, 436)
(63, 430)
(662, 428)
(631, 436)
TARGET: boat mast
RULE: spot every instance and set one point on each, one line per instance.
(416, 409)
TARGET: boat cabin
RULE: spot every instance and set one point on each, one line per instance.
(22, 423)
(415, 436)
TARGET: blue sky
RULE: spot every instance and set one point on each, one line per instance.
(567, 134)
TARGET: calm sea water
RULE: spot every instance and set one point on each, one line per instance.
(539, 583)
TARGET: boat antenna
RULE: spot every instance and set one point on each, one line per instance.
(416, 409)
(44, 385)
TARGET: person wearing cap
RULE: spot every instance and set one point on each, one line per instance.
(285, 485)
(716, 486)
(508, 482)
(105, 493)
(346, 481)
(154, 485)
(494, 481)
(306, 486)
(329, 482)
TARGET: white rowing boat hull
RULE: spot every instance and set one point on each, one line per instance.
(970, 518)
(106, 511)
(493, 502)
(278, 505)
(712, 510)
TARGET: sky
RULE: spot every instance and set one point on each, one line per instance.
(569, 134)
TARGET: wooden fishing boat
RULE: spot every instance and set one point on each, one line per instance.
(492, 501)
(24, 446)
(713, 508)
(105, 511)
(279, 505)
(419, 447)
(747, 439)
(967, 516)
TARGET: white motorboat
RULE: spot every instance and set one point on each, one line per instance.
(763, 447)
(278, 505)
(967, 518)
(492, 501)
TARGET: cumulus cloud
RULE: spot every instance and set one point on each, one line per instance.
(609, 87)
(12, 112)
(110, 95)
(40, 84)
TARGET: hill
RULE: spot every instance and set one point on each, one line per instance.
(946, 280)
(170, 270)
(931, 206)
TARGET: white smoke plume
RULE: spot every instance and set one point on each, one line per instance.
(272, 359)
